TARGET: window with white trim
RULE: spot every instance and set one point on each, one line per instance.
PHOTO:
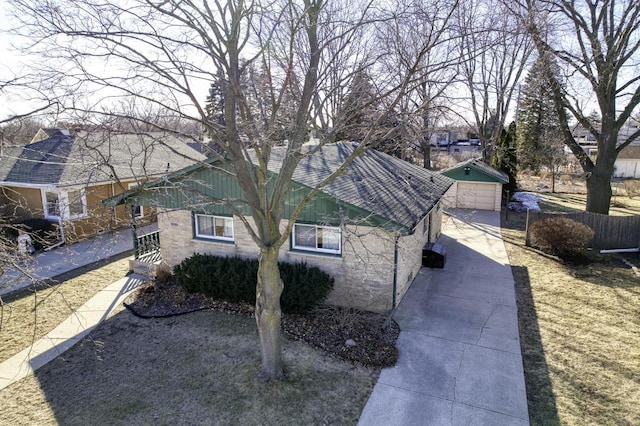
(213, 227)
(136, 211)
(323, 239)
(66, 204)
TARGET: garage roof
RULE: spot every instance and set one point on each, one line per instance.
(476, 170)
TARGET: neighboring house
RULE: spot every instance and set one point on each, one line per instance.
(63, 177)
(478, 185)
(463, 146)
(627, 164)
(366, 229)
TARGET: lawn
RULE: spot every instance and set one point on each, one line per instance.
(199, 368)
(579, 327)
(27, 315)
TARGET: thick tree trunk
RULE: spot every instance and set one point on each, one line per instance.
(268, 314)
(599, 182)
(426, 155)
(599, 191)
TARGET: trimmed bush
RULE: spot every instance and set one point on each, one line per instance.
(234, 279)
(563, 237)
(305, 287)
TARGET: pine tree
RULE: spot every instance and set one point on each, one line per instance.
(505, 155)
(537, 117)
(357, 111)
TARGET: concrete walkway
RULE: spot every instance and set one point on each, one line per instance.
(68, 333)
(460, 361)
(49, 265)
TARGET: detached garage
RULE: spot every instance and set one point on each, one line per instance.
(478, 186)
(628, 163)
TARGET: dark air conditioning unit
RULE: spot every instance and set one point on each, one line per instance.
(434, 255)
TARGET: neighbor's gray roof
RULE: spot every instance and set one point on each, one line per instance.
(630, 152)
(374, 181)
(63, 159)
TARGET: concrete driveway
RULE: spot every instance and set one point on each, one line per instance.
(460, 361)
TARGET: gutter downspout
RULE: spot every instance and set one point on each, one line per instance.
(391, 313)
(62, 238)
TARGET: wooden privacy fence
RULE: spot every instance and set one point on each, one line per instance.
(611, 232)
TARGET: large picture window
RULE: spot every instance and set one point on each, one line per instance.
(66, 204)
(214, 227)
(323, 239)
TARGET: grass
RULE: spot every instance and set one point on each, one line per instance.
(27, 315)
(199, 368)
(567, 203)
(579, 328)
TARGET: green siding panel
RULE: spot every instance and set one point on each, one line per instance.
(203, 191)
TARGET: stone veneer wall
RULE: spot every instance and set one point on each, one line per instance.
(363, 274)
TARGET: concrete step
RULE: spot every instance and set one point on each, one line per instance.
(144, 268)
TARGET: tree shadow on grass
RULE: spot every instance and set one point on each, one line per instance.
(540, 396)
(199, 368)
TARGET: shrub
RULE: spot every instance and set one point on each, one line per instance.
(163, 274)
(234, 279)
(305, 287)
(563, 237)
(631, 187)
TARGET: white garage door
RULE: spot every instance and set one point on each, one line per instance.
(626, 169)
(475, 195)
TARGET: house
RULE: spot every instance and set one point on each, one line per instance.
(63, 177)
(627, 164)
(478, 185)
(366, 228)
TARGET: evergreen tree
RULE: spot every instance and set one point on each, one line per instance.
(214, 104)
(357, 112)
(505, 156)
(537, 116)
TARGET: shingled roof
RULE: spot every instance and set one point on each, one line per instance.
(380, 185)
(64, 159)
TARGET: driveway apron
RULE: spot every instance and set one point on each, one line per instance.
(460, 361)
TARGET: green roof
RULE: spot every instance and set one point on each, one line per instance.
(479, 171)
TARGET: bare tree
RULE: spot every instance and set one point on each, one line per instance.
(495, 49)
(426, 102)
(597, 45)
(278, 65)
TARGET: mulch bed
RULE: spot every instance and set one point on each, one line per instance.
(347, 333)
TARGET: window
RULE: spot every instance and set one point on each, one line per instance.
(214, 227)
(76, 203)
(136, 211)
(322, 239)
(66, 204)
(53, 204)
